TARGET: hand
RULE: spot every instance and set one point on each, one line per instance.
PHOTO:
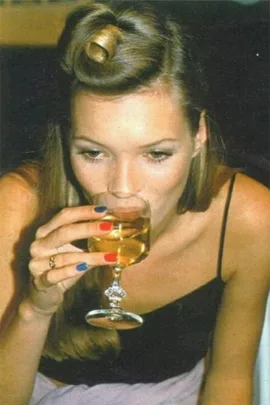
(56, 264)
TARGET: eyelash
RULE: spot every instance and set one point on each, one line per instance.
(158, 159)
(88, 153)
(160, 156)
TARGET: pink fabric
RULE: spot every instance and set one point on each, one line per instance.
(180, 390)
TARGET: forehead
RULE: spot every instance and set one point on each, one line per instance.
(153, 111)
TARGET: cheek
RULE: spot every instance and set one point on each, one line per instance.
(171, 178)
(91, 180)
(166, 193)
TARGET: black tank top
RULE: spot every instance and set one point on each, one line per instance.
(170, 342)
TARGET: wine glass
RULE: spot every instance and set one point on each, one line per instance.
(130, 239)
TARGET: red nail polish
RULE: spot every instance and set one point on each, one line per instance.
(105, 226)
(110, 257)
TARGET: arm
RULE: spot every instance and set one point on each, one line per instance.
(25, 322)
(229, 379)
(18, 207)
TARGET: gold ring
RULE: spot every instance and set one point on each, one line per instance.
(52, 263)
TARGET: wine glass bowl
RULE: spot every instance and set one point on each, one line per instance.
(130, 240)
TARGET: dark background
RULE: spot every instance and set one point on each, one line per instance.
(234, 42)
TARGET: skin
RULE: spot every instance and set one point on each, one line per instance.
(121, 127)
(149, 152)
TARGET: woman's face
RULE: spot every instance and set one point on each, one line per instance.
(137, 143)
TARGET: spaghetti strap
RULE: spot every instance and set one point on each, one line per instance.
(223, 226)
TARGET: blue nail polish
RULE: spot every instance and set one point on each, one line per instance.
(100, 209)
(82, 267)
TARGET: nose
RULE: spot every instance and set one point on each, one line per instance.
(124, 177)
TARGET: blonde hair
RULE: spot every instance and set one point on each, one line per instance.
(113, 49)
(69, 335)
(102, 46)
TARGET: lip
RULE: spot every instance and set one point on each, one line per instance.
(119, 194)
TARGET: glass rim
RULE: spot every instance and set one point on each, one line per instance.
(121, 195)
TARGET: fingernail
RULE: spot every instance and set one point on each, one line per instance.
(82, 267)
(110, 257)
(100, 209)
(105, 226)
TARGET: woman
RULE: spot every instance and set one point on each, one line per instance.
(131, 117)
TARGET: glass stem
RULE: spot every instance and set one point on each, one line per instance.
(115, 292)
(117, 272)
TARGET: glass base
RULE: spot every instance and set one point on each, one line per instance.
(114, 318)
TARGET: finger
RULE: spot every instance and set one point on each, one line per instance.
(67, 248)
(39, 265)
(62, 249)
(70, 215)
(67, 234)
(50, 278)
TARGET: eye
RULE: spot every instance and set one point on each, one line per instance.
(93, 154)
(158, 156)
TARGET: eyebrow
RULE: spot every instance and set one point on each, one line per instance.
(149, 145)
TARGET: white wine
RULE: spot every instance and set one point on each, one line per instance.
(130, 237)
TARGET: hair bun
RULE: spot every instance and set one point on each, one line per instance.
(102, 46)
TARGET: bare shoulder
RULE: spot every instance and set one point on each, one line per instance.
(254, 196)
(18, 191)
(251, 207)
(18, 211)
(248, 229)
